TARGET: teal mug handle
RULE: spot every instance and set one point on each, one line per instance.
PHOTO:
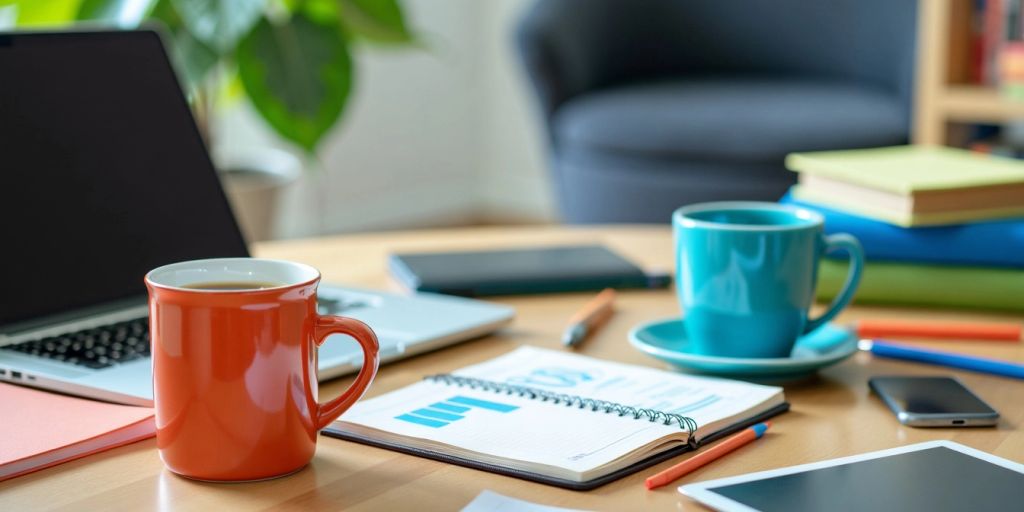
(833, 243)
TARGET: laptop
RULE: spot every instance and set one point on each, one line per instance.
(103, 176)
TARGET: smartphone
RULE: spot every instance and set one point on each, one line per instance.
(933, 402)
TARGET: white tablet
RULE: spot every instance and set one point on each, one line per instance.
(936, 476)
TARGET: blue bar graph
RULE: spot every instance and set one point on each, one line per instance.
(439, 414)
(484, 404)
(422, 421)
(449, 407)
(431, 413)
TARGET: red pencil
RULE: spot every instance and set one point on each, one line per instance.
(882, 328)
(679, 470)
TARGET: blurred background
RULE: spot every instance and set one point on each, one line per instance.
(461, 112)
(438, 130)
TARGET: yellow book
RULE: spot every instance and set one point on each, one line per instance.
(912, 185)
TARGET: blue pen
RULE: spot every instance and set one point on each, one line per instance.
(953, 360)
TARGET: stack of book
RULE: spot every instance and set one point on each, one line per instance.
(939, 226)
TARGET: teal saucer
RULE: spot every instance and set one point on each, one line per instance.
(666, 340)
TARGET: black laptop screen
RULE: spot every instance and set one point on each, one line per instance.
(103, 175)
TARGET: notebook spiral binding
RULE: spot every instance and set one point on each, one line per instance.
(637, 413)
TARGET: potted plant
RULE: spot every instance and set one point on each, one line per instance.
(291, 59)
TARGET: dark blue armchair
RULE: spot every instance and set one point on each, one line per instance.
(653, 104)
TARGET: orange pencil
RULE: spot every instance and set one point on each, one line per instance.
(881, 328)
(679, 470)
(588, 319)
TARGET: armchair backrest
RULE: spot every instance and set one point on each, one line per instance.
(571, 46)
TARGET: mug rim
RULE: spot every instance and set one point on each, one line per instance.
(681, 216)
(181, 265)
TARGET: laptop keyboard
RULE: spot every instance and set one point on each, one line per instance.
(100, 347)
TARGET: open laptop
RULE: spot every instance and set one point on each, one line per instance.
(103, 176)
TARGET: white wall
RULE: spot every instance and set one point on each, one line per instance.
(514, 180)
(431, 137)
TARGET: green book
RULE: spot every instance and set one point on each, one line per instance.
(912, 185)
(928, 285)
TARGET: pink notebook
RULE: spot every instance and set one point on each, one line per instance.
(41, 429)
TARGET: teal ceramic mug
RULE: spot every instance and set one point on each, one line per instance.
(746, 273)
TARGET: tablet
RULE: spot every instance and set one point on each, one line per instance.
(935, 476)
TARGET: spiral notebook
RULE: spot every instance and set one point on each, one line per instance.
(557, 418)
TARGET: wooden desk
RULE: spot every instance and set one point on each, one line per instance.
(832, 415)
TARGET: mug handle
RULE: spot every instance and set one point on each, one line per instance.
(327, 325)
(833, 243)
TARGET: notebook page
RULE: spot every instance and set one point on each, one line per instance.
(705, 399)
(501, 427)
(505, 427)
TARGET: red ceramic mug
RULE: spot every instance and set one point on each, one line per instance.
(235, 366)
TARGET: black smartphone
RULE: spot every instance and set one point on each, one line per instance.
(933, 402)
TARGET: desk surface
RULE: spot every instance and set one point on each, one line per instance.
(831, 416)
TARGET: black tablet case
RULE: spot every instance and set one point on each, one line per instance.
(519, 271)
(333, 431)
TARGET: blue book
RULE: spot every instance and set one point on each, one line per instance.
(993, 243)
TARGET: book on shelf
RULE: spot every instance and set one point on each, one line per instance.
(912, 185)
(998, 243)
(995, 38)
(41, 429)
(557, 418)
(927, 285)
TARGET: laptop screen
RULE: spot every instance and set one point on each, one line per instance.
(103, 174)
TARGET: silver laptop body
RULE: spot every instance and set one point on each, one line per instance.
(405, 326)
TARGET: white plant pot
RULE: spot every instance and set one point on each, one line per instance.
(254, 180)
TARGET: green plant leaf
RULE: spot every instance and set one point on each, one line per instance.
(124, 13)
(298, 75)
(380, 21)
(164, 12)
(46, 12)
(321, 11)
(220, 24)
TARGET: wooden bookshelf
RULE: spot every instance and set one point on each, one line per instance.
(976, 104)
(942, 96)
